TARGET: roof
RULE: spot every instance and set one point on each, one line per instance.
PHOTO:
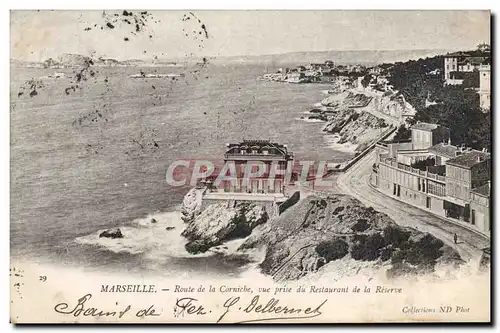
(468, 160)
(482, 190)
(463, 75)
(425, 126)
(444, 149)
(258, 144)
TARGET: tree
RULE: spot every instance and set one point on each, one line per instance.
(483, 47)
(423, 164)
(457, 108)
(403, 133)
(366, 80)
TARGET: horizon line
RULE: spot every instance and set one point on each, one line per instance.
(251, 55)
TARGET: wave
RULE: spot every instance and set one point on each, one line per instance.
(157, 241)
(307, 120)
(142, 236)
(332, 141)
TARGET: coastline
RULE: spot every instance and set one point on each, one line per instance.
(328, 114)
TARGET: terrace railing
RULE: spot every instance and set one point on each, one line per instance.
(391, 162)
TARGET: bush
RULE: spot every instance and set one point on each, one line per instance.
(423, 164)
(367, 247)
(332, 250)
(403, 133)
(366, 80)
(396, 235)
(361, 225)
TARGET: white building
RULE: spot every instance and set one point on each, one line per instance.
(458, 64)
(485, 87)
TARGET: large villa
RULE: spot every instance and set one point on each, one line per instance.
(247, 181)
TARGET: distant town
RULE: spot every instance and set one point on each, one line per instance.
(470, 69)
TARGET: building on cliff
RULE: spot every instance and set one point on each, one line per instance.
(430, 173)
(459, 65)
(425, 135)
(271, 154)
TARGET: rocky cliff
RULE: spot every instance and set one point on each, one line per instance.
(393, 104)
(320, 231)
(357, 127)
(221, 222)
(347, 100)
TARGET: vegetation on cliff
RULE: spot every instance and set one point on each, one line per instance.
(318, 231)
(457, 107)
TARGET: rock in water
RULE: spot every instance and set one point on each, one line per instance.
(218, 223)
(318, 231)
(191, 205)
(153, 220)
(117, 233)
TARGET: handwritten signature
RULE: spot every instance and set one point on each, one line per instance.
(273, 307)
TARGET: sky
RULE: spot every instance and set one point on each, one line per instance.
(38, 35)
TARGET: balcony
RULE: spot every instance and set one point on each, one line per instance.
(257, 157)
(392, 163)
(239, 196)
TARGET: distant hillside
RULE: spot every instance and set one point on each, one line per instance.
(365, 57)
(77, 60)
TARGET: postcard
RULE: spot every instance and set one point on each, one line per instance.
(250, 166)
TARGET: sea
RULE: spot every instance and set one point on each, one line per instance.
(92, 155)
